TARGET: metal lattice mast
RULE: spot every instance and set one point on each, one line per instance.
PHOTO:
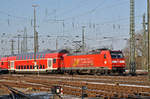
(35, 34)
(12, 47)
(83, 42)
(25, 40)
(144, 51)
(132, 39)
(148, 17)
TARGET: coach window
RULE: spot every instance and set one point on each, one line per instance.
(30, 66)
(24, 66)
(43, 66)
(33, 67)
(40, 66)
(104, 56)
(27, 66)
(19, 67)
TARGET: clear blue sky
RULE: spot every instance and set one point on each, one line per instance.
(102, 18)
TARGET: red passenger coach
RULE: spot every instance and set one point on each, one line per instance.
(48, 61)
(103, 61)
(4, 63)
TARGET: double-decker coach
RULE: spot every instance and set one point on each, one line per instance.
(47, 61)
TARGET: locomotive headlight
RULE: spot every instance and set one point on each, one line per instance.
(114, 61)
(122, 61)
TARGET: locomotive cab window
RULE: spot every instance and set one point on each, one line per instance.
(2, 63)
(116, 55)
(104, 56)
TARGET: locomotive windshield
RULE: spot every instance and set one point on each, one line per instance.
(115, 55)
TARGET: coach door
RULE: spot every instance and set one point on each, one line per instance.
(11, 65)
(49, 63)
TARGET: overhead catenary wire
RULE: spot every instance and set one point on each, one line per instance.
(94, 9)
(17, 17)
(80, 4)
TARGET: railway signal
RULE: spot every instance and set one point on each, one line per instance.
(57, 91)
(83, 92)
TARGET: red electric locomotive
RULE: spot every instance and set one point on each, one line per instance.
(100, 62)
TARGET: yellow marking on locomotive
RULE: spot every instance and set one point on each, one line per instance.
(76, 62)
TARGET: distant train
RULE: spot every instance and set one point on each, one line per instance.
(61, 61)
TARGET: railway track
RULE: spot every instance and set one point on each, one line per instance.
(102, 86)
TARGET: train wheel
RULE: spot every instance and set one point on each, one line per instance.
(105, 72)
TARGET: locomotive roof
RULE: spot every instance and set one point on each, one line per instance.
(97, 51)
